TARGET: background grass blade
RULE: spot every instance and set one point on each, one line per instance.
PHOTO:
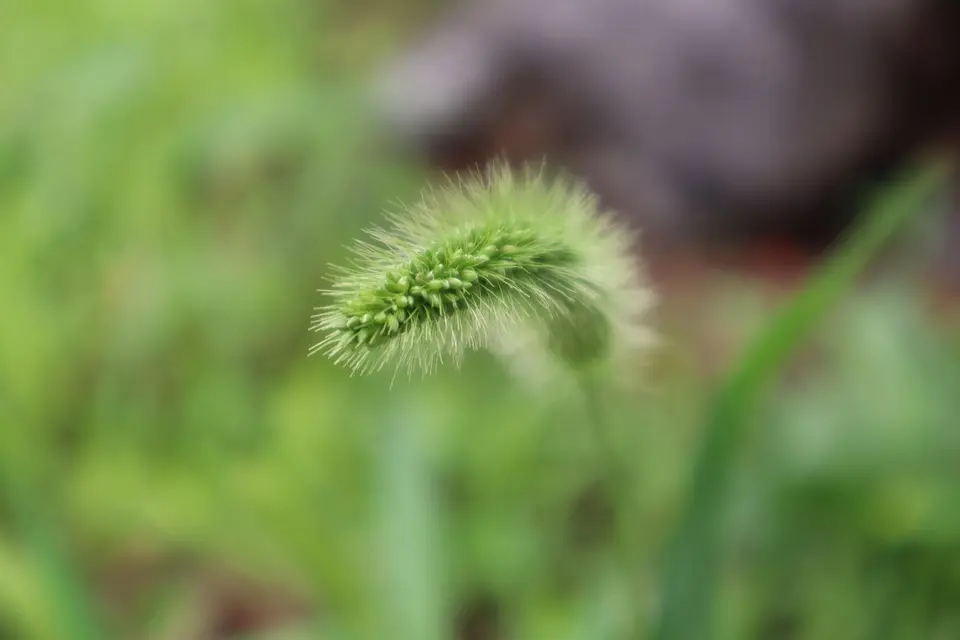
(67, 597)
(412, 604)
(690, 564)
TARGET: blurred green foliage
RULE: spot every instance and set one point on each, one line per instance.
(174, 179)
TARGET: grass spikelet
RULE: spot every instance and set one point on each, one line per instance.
(498, 258)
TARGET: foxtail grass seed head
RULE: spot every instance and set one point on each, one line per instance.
(520, 263)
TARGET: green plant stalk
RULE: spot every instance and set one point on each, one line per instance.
(616, 471)
(597, 413)
(689, 574)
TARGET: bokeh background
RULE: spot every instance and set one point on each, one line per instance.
(175, 177)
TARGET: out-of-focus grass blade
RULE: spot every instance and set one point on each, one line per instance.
(67, 599)
(689, 573)
(299, 632)
(22, 614)
(412, 603)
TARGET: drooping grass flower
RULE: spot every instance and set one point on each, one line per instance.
(515, 262)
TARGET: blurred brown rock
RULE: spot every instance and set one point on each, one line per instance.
(711, 123)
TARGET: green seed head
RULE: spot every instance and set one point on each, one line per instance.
(495, 256)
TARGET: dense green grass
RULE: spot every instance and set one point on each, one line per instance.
(174, 179)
